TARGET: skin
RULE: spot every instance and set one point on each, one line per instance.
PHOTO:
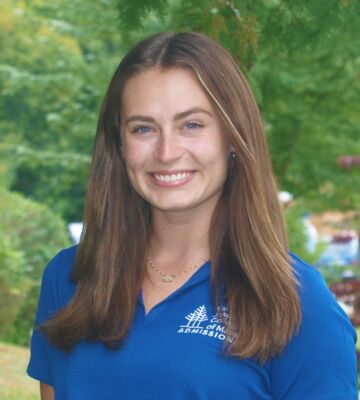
(168, 125)
(46, 392)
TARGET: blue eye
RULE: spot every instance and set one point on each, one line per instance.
(192, 125)
(141, 129)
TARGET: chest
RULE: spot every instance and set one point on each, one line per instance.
(154, 291)
(172, 352)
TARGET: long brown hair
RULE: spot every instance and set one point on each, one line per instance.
(247, 238)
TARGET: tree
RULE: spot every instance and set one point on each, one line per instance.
(53, 75)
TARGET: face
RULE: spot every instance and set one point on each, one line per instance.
(173, 145)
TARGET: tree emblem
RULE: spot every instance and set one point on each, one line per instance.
(196, 318)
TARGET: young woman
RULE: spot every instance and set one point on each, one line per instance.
(182, 286)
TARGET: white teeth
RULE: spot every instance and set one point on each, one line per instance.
(172, 177)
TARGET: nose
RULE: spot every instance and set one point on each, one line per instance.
(168, 148)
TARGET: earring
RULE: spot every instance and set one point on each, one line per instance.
(233, 155)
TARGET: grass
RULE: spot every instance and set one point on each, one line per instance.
(14, 383)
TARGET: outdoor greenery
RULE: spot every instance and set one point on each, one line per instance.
(30, 234)
(302, 61)
(14, 384)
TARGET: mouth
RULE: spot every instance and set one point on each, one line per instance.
(172, 178)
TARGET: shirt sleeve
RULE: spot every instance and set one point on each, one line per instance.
(320, 362)
(40, 364)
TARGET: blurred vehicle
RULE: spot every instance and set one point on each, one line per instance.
(342, 250)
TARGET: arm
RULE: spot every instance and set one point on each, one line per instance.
(46, 392)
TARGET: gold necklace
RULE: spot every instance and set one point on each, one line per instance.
(171, 277)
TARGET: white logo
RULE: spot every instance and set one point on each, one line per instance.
(196, 323)
(196, 318)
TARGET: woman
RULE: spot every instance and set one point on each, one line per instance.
(182, 286)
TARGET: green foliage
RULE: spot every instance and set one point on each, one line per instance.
(132, 13)
(53, 74)
(57, 181)
(297, 233)
(12, 283)
(40, 97)
(33, 235)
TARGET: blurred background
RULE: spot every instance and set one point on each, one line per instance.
(302, 60)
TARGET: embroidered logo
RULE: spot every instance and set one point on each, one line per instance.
(196, 318)
(196, 323)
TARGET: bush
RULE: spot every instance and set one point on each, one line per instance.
(13, 283)
(33, 235)
(57, 180)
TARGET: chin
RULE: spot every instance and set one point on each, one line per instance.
(172, 206)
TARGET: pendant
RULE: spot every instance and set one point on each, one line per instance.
(168, 278)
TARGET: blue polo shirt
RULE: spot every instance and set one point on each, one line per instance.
(174, 352)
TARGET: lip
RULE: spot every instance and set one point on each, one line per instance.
(164, 184)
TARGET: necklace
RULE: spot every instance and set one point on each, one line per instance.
(170, 277)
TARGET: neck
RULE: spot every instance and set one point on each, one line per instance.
(180, 238)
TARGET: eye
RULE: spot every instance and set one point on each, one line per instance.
(141, 129)
(192, 125)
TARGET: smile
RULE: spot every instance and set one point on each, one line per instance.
(172, 179)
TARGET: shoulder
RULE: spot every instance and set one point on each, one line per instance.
(309, 279)
(61, 263)
(306, 273)
(320, 309)
(321, 357)
(317, 301)
(56, 279)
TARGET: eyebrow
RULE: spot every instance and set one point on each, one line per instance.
(144, 118)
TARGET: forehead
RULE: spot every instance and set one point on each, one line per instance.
(163, 90)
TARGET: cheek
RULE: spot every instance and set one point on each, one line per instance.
(135, 154)
(213, 153)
